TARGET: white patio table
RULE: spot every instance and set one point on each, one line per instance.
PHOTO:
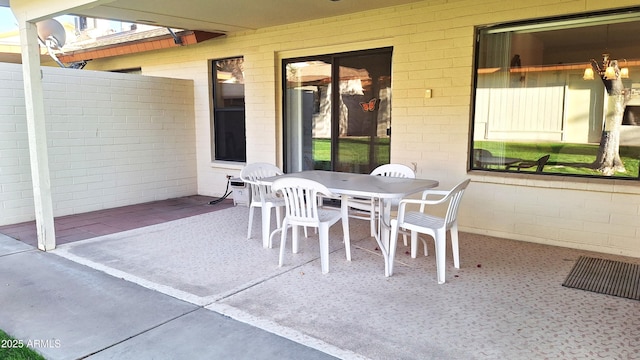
(381, 188)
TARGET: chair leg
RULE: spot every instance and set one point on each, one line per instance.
(250, 221)
(426, 250)
(324, 247)
(441, 254)
(266, 225)
(414, 244)
(424, 245)
(454, 245)
(283, 242)
(278, 216)
(273, 233)
(278, 225)
(295, 245)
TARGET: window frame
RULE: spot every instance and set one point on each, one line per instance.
(222, 115)
(543, 24)
(333, 60)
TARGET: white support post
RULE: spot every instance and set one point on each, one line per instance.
(34, 101)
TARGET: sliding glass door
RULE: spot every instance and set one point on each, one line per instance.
(337, 111)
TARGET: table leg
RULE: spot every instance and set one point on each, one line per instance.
(344, 209)
(383, 235)
(441, 254)
(385, 229)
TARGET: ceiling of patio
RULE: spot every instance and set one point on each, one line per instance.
(229, 16)
(216, 16)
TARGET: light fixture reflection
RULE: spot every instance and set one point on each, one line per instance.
(624, 73)
(606, 70)
(609, 73)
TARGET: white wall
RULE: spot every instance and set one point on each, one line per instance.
(113, 140)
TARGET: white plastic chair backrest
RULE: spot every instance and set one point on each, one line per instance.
(301, 199)
(454, 197)
(394, 170)
(254, 172)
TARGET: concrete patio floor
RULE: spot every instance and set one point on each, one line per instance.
(506, 301)
(65, 310)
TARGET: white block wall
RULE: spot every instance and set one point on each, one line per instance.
(113, 140)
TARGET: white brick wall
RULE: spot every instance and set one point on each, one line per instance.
(113, 140)
(433, 49)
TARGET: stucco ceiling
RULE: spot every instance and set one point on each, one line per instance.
(229, 16)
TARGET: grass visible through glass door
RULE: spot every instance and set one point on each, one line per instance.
(353, 150)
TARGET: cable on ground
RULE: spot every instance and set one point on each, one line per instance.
(227, 192)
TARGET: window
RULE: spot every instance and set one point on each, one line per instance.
(228, 110)
(337, 111)
(538, 110)
(81, 23)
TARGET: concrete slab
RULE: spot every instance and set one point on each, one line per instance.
(204, 334)
(9, 245)
(70, 311)
(65, 310)
(505, 302)
(200, 259)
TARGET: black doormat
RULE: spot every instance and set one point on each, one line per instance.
(603, 276)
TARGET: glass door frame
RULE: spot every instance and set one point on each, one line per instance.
(335, 94)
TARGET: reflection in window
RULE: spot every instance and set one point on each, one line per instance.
(535, 108)
(228, 110)
(308, 114)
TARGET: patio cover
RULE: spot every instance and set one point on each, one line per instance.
(212, 16)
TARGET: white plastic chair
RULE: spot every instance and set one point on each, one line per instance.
(419, 222)
(369, 206)
(301, 202)
(262, 196)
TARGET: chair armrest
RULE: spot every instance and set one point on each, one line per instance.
(434, 192)
(527, 164)
(404, 202)
(444, 194)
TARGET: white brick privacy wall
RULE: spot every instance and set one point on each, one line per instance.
(432, 49)
(113, 140)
